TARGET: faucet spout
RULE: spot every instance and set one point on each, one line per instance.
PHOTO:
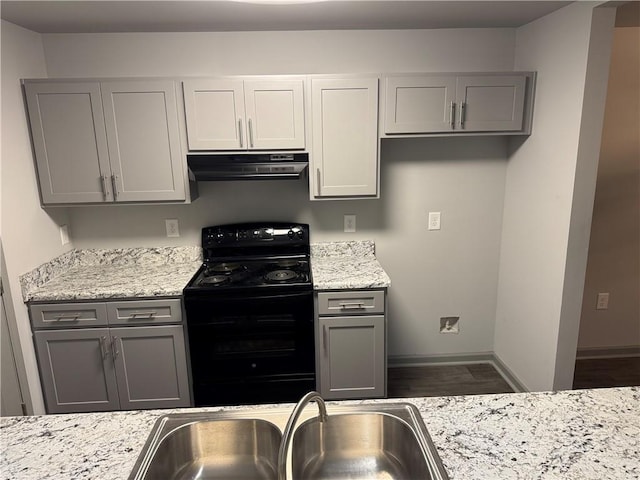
(287, 436)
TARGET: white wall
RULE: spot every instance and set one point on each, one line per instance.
(30, 235)
(450, 272)
(549, 192)
(614, 249)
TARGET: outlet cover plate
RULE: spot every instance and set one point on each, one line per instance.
(434, 220)
(172, 227)
(449, 324)
(350, 223)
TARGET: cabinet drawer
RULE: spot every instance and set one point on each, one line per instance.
(65, 315)
(351, 302)
(147, 312)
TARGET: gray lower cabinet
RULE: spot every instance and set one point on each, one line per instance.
(75, 371)
(111, 368)
(351, 346)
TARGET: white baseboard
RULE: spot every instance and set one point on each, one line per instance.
(608, 352)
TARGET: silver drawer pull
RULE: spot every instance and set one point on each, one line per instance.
(67, 317)
(351, 305)
(149, 314)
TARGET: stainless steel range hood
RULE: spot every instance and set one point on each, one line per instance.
(247, 166)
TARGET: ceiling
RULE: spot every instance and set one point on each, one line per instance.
(82, 16)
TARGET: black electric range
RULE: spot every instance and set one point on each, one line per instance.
(249, 315)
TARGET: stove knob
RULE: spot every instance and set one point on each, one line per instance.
(300, 234)
(290, 234)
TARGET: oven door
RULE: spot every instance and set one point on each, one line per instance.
(251, 348)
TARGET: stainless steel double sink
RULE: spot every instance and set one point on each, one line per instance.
(372, 441)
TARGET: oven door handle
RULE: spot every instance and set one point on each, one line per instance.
(277, 296)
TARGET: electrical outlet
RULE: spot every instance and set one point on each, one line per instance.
(434, 220)
(449, 324)
(350, 223)
(603, 301)
(173, 229)
(64, 234)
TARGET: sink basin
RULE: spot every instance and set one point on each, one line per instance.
(238, 449)
(358, 446)
(363, 441)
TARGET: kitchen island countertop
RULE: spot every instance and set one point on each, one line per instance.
(572, 435)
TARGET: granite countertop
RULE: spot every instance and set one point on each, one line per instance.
(95, 274)
(572, 435)
(119, 273)
(346, 265)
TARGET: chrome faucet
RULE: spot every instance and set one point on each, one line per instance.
(288, 430)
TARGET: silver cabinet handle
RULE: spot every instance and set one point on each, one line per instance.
(149, 314)
(462, 112)
(250, 134)
(319, 182)
(452, 118)
(67, 317)
(240, 132)
(114, 184)
(103, 349)
(114, 346)
(325, 340)
(105, 190)
(351, 305)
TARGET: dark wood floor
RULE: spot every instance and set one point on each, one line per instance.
(441, 380)
(607, 372)
(476, 379)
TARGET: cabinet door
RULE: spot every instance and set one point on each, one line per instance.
(421, 104)
(76, 370)
(352, 357)
(215, 114)
(151, 367)
(275, 114)
(491, 102)
(141, 119)
(69, 140)
(345, 137)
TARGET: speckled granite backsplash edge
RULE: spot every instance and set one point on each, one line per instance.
(119, 256)
(358, 248)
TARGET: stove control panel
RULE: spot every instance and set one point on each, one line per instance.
(246, 235)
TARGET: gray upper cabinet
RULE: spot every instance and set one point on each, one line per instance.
(112, 141)
(345, 138)
(236, 114)
(456, 103)
(419, 104)
(490, 103)
(69, 140)
(141, 118)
